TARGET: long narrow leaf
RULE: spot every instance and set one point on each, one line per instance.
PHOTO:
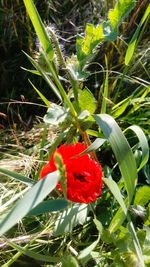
(143, 144)
(45, 76)
(39, 28)
(112, 185)
(30, 200)
(45, 100)
(105, 92)
(121, 149)
(18, 177)
(32, 254)
(134, 40)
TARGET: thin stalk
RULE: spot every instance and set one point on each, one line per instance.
(60, 87)
(63, 63)
(120, 83)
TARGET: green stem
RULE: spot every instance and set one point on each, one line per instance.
(73, 82)
(60, 87)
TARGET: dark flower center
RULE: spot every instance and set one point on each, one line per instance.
(80, 177)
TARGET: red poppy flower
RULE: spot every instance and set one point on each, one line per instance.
(84, 175)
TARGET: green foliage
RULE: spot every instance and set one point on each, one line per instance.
(87, 101)
(142, 195)
(120, 12)
(133, 43)
(105, 232)
(107, 31)
(69, 261)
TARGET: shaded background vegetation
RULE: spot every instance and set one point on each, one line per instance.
(17, 34)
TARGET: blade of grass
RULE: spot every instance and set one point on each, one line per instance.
(39, 28)
(133, 43)
(105, 92)
(45, 100)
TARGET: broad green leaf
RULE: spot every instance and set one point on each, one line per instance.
(48, 206)
(69, 261)
(18, 177)
(39, 28)
(87, 101)
(143, 144)
(68, 219)
(122, 151)
(142, 196)
(55, 115)
(30, 200)
(45, 100)
(120, 12)
(133, 43)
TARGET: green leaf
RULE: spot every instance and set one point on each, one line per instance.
(67, 220)
(142, 195)
(33, 255)
(107, 30)
(116, 192)
(133, 43)
(45, 76)
(87, 101)
(94, 146)
(84, 254)
(69, 261)
(120, 12)
(39, 28)
(113, 187)
(122, 151)
(105, 91)
(120, 107)
(48, 206)
(45, 100)
(143, 144)
(30, 200)
(55, 115)
(18, 177)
